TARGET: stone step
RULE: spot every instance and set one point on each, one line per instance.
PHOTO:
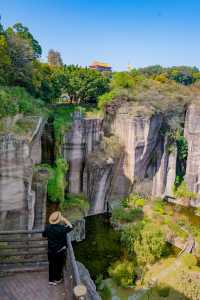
(28, 267)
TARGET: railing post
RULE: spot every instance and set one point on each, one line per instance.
(80, 292)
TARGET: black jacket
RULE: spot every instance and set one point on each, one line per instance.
(56, 235)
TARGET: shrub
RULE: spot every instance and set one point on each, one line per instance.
(159, 206)
(163, 291)
(105, 292)
(129, 235)
(183, 192)
(75, 201)
(197, 211)
(57, 182)
(150, 244)
(123, 272)
(189, 260)
(133, 200)
(126, 214)
(15, 100)
(63, 118)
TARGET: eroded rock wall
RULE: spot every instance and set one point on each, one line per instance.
(192, 135)
(82, 139)
(165, 169)
(17, 198)
(97, 182)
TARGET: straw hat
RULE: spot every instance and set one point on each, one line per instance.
(55, 217)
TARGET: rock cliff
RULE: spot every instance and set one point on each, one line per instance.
(144, 163)
(18, 155)
(192, 135)
(82, 139)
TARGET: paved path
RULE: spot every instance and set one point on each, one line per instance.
(29, 286)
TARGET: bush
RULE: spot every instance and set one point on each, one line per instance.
(159, 206)
(150, 245)
(123, 272)
(75, 201)
(183, 192)
(15, 100)
(63, 118)
(189, 260)
(57, 183)
(126, 214)
(105, 292)
(133, 200)
(163, 291)
(129, 235)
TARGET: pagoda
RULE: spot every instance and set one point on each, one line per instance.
(100, 66)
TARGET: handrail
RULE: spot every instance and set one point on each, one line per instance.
(79, 290)
(73, 261)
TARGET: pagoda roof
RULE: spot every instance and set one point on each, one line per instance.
(100, 64)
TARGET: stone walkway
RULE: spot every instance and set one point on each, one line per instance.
(29, 286)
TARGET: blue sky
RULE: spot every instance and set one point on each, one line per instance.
(140, 32)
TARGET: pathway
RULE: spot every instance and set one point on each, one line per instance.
(29, 286)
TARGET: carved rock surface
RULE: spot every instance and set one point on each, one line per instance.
(17, 157)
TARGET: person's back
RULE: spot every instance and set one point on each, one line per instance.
(57, 243)
(56, 234)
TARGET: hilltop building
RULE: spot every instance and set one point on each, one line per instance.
(100, 66)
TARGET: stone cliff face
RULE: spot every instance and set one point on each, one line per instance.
(17, 197)
(97, 183)
(192, 135)
(144, 164)
(165, 169)
(82, 139)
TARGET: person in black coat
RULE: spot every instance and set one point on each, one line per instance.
(56, 232)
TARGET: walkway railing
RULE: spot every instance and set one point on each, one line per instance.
(25, 248)
(73, 285)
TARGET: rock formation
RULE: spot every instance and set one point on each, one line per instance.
(82, 139)
(18, 155)
(192, 135)
(165, 169)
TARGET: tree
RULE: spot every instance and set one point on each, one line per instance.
(5, 61)
(21, 56)
(24, 33)
(54, 58)
(46, 82)
(152, 71)
(83, 84)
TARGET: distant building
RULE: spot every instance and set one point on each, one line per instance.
(100, 66)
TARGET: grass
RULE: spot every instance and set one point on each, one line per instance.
(183, 192)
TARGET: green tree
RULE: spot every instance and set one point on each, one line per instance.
(24, 33)
(21, 57)
(5, 61)
(83, 84)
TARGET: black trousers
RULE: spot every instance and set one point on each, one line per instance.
(56, 263)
